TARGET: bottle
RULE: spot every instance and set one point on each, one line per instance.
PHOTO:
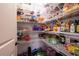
(29, 51)
(67, 26)
(62, 28)
(72, 27)
(77, 26)
(62, 39)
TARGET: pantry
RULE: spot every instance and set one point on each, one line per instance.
(44, 29)
(50, 29)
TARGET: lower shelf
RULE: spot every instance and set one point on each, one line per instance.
(22, 42)
(59, 48)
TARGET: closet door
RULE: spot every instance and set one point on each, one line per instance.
(8, 29)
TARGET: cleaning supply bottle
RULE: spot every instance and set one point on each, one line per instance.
(77, 26)
(72, 27)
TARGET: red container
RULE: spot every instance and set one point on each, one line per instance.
(26, 37)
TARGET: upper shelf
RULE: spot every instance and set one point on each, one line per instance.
(65, 15)
(23, 22)
(51, 32)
